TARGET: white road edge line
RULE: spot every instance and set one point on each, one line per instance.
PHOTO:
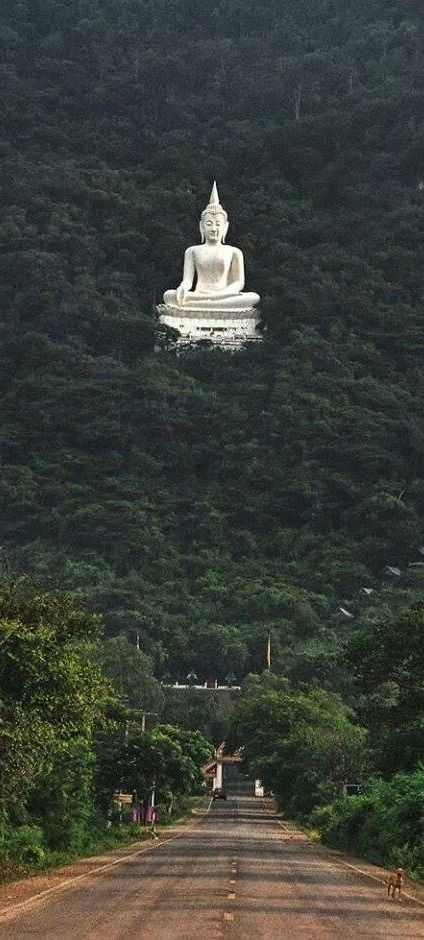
(361, 871)
(9, 912)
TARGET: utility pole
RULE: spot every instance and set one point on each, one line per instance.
(144, 715)
(143, 719)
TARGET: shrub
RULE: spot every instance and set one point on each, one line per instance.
(26, 844)
(386, 825)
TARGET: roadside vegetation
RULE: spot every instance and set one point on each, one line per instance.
(384, 824)
(70, 743)
(307, 745)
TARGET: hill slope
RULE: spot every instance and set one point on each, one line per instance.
(208, 499)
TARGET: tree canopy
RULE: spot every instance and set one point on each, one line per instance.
(304, 746)
(387, 660)
(209, 500)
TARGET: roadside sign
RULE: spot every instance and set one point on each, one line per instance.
(123, 797)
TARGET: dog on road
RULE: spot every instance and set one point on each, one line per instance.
(395, 883)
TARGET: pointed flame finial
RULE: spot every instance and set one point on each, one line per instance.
(214, 200)
(214, 206)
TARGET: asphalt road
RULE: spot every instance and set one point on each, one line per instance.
(236, 875)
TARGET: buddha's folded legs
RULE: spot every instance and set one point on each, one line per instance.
(213, 301)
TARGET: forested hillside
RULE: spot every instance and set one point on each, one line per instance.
(208, 499)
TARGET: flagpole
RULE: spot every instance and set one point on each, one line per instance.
(268, 652)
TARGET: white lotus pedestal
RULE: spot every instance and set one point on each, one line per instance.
(230, 328)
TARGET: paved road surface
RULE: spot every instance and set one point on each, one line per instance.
(236, 875)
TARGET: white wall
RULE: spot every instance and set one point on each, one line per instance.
(217, 780)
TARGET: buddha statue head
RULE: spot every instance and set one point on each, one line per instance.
(214, 220)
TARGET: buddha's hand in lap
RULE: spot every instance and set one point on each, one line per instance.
(231, 290)
(180, 295)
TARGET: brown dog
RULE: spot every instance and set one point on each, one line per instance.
(395, 883)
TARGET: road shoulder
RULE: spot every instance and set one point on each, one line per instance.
(413, 891)
(16, 895)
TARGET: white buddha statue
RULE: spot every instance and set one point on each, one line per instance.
(216, 270)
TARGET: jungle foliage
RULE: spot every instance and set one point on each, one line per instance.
(205, 502)
(384, 824)
(306, 746)
(387, 662)
(68, 740)
(303, 745)
(208, 500)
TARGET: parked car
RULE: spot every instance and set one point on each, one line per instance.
(219, 794)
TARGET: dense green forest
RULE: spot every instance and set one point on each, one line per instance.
(356, 776)
(207, 500)
(201, 503)
(70, 743)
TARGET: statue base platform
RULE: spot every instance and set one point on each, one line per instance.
(227, 328)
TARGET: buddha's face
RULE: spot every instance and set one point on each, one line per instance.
(213, 228)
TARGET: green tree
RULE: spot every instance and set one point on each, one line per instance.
(132, 673)
(303, 745)
(384, 824)
(166, 759)
(387, 660)
(209, 494)
(53, 696)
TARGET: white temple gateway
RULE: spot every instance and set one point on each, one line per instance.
(210, 303)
